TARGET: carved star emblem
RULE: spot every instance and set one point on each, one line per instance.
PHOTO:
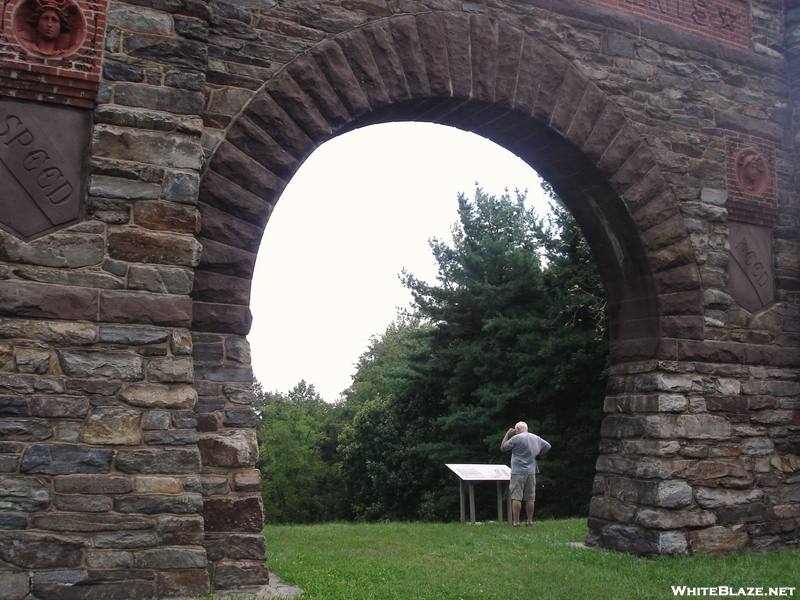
(728, 18)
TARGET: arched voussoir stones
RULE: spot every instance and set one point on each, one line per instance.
(481, 75)
(484, 76)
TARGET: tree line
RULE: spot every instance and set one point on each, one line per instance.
(514, 328)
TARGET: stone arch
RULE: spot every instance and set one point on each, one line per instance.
(479, 75)
(484, 76)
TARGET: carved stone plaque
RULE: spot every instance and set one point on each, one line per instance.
(43, 151)
(750, 274)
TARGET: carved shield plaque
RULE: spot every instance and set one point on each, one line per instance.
(751, 281)
(43, 151)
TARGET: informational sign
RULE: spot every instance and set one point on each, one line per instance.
(469, 474)
(481, 472)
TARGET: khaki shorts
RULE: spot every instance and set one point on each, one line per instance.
(523, 487)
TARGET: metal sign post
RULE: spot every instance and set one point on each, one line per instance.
(469, 474)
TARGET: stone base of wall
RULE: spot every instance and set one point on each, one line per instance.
(698, 460)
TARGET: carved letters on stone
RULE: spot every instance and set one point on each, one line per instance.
(751, 281)
(727, 20)
(42, 157)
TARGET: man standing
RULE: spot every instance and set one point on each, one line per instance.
(525, 449)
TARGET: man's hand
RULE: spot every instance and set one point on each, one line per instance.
(508, 434)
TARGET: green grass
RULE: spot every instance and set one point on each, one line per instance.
(453, 561)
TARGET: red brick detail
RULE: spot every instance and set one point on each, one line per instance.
(71, 77)
(728, 21)
(743, 206)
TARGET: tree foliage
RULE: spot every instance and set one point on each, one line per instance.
(513, 328)
(297, 456)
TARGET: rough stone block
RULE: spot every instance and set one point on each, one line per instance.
(86, 523)
(184, 420)
(697, 427)
(239, 394)
(118, 426)
(162, 461)
(619, 426)
(650, 467)
(171, 438)
(108, 559)
(160, 280)
(41, 551)
(59, 407)
(241, 417)
(719, 539)
(173, 150)
(235, 514)
(117, 590)
(757, 447)
(721, 497)
(145, 308)
(715, 469)
(13, 406)
(247, 481)
(91, 504)
(170, 558)
(789, 493)
(151, 504)
(233, 574)
(19, 299)
(156, 420)
(153, 484)
(180, 531)
(171, 369)
(70, 250)
(658, 518)
(102, 186)
(208, 485)
(112, 365)
(14, 586)
(181, 186)
(88, 484)
(224, 258)
(124, 541)
(25, 494)
(229, 448)
(611, 509)
(651, 447)
(666, 494)
(65, 459)
(246, 547)
(25, 430)
(637, 540)
(744, 513)
(152, 395)
(193, 583)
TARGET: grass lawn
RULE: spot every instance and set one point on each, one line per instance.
(454, 561)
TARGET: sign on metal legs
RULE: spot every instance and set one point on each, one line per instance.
(469, 474)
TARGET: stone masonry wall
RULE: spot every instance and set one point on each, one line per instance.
(127, 447)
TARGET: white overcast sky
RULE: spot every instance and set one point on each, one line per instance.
(359, 210)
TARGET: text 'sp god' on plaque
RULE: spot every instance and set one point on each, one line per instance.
(42, 167)
(751, 281)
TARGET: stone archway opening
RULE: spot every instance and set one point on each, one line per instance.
(521, 95)
(360, 210)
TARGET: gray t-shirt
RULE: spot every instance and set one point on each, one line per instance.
(525, 447)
